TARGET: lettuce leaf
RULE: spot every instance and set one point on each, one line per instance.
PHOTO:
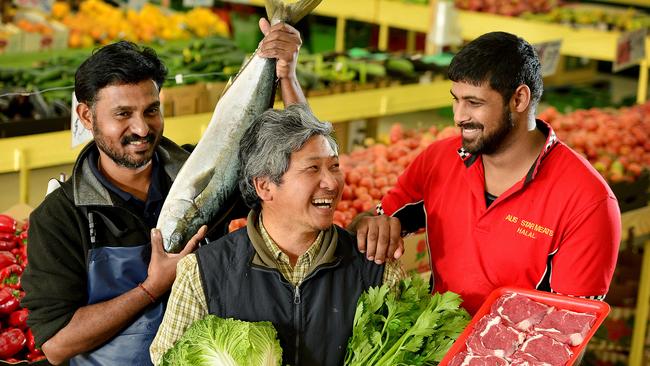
(227, 342)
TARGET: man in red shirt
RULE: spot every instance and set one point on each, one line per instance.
(506, 203)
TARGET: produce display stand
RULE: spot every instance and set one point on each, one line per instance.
(588, 43)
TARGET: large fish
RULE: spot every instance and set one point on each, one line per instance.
(209, 176)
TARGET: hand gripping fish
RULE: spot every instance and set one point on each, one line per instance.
(209, 176)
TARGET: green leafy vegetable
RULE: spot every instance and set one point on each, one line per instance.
(227, 342)
(405, 326)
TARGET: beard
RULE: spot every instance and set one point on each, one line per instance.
(489, 144)
(122, 157)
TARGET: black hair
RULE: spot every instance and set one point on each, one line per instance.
(503, 60)
(122, 62)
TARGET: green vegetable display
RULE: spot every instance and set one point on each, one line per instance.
(227, 342)
(405, 327)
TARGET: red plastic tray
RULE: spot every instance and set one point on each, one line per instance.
(598, 308)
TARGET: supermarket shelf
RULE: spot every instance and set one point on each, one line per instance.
(28, 152)
(396, 14)
(380, 102)
(588, 43)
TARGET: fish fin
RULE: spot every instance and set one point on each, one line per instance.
(300, 9)
(277, 10)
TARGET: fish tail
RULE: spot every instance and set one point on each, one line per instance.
(278, 11)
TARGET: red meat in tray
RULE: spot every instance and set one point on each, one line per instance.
(493, 338)
(544, 349)
(524, 359)
(566, 326)
(491, 333)
(519, 311)
(466, 359)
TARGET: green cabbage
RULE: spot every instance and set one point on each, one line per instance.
(226, 342)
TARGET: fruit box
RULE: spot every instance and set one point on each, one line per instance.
(10, 39)
(182, 100)
(599, 308)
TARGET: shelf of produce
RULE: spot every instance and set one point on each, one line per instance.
(21, 154)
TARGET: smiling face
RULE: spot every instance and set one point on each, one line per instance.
(127, 123)
(310, 189)
(486, 122)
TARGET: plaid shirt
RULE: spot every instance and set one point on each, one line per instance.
(187, 302)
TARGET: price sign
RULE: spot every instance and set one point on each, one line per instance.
(80, 135)
(630, 49)
(549, 56)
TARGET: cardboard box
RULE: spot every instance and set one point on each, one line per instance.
(31, 41)
(416, 254)
(10, 39)
(60, 35)
(211, 95)
(182, 100)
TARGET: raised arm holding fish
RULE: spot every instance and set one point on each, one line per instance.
(209, 177)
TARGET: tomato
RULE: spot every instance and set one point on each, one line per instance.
(343, 205)
(375, 193)
(359, 191)
(368, 205)
(367, 182)
(381, 181)
(348, 193)
(353, 177)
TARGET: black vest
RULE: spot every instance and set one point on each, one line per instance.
(314, 321)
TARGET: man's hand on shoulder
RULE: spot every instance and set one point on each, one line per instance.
(162, 267)
(379, 236)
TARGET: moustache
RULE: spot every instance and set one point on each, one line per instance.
(471, 125)
(150, 138)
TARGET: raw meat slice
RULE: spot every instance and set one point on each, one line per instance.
(492, 338)
(546, 349)
(524, 359)
(566, 326)
(519, 311)
(466, 359)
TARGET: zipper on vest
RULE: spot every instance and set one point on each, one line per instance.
(296, 296)
(297, 326)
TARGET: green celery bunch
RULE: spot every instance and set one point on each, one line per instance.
(404, 326)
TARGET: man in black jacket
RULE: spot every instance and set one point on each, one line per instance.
(290, 265)
(95, 285)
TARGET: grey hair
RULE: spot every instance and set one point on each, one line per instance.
(265, 150)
